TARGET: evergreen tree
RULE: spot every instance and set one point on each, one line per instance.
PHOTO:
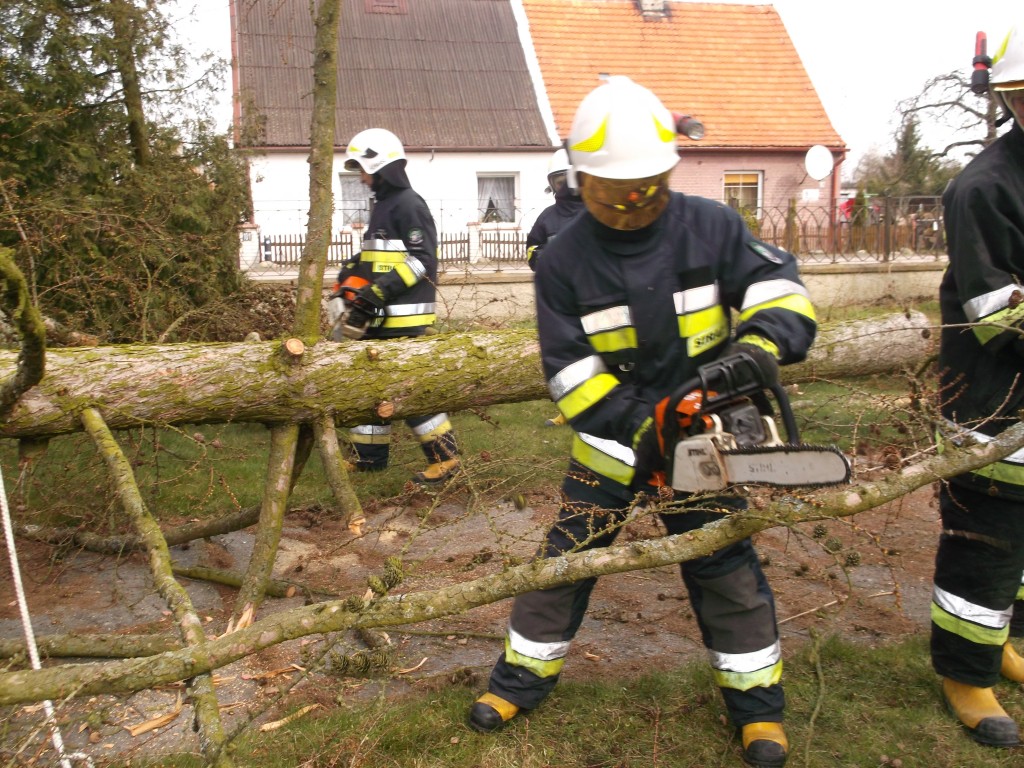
(122, 220)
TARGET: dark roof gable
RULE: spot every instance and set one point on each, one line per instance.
(439, 73)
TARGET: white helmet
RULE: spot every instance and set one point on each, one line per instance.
(559, 162)
(372, 149)
(1008, 63)
(558, 167)
(622, 131)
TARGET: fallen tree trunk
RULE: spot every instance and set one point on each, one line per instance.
(401, 609)
(265, 382)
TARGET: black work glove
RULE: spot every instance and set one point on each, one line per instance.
(766, 365)
(368, 300)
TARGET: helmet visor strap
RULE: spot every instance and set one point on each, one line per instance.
(625, 204)
(1014, 101)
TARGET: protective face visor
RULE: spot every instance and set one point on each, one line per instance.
(625, 204)
(556, 182)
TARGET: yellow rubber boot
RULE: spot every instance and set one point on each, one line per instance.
(556, 421)
(490, 713)
(437, 473)
(1012, 667)
(764, 745)
(979, 712)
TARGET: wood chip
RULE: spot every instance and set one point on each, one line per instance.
(412, 669)
(156, 722)
(285, 720)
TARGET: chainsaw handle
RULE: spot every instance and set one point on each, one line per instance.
(737, 375)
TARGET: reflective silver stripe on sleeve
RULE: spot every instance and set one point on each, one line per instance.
(614, 449)
(416, 266)
(746, 662)
(990, 303)
(606, 320)
(542, 651)
(430, 426)
(371, 429)
(960, 432)
(575, 374)
(769, 290)
(696, 299)
(383, 245)
(976, 614)
(405, 310)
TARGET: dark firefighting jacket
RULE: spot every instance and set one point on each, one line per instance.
(399, 256)
(625, 318)
(981, 357)
(551, 220)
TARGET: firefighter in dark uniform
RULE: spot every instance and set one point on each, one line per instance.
(632, 298)
(976, 598)
(387, 291)
(552, 219)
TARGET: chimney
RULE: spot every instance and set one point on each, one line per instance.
(653, 10)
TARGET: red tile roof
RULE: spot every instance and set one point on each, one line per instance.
(733, 67)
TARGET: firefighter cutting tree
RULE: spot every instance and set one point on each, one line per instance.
(388, 289)
(634, 299)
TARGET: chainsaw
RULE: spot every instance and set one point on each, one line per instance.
(725, 434)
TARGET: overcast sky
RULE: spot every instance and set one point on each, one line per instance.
(863, 56)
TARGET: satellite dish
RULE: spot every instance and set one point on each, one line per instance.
(818, 162)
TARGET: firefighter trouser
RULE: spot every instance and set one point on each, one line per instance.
(977, 586)
(372, 442)
(731, 598)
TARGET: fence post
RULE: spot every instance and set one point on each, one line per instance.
(474, 242)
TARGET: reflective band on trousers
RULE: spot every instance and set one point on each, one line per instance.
(743, 671)
(429, 426)
(989, 303)
(976, 614)
(973, 623)
(543, 659)
(371, 429)
(575, 374)
(536, 650)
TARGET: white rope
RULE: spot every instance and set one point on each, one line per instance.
(30, 638)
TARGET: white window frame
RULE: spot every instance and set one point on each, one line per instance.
(513, 202)
(345, 205)
(744, 184)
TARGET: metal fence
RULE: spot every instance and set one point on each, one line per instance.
(881, 230)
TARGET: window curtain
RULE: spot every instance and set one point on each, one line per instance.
(496, 198)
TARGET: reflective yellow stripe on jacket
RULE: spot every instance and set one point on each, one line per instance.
(391, 256)
(1009, 469)
(702, 320)
(776, 294)
(992, 313)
